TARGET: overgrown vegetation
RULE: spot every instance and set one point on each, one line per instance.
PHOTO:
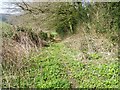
(55, 67)
(79, 50)
(68, 15)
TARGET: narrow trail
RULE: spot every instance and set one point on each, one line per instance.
(73, 82)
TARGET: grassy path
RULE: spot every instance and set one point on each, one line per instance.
(56, 67)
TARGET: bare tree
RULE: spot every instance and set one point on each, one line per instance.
(33, 7)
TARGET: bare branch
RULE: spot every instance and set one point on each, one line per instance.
(34, 8)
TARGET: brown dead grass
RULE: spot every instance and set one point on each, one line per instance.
(92, 42)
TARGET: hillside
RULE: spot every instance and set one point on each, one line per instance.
(4, 17)
(69, 47)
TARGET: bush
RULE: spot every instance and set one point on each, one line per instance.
(67, 17)
(6, 30)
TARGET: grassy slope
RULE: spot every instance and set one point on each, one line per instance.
(6, 29)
